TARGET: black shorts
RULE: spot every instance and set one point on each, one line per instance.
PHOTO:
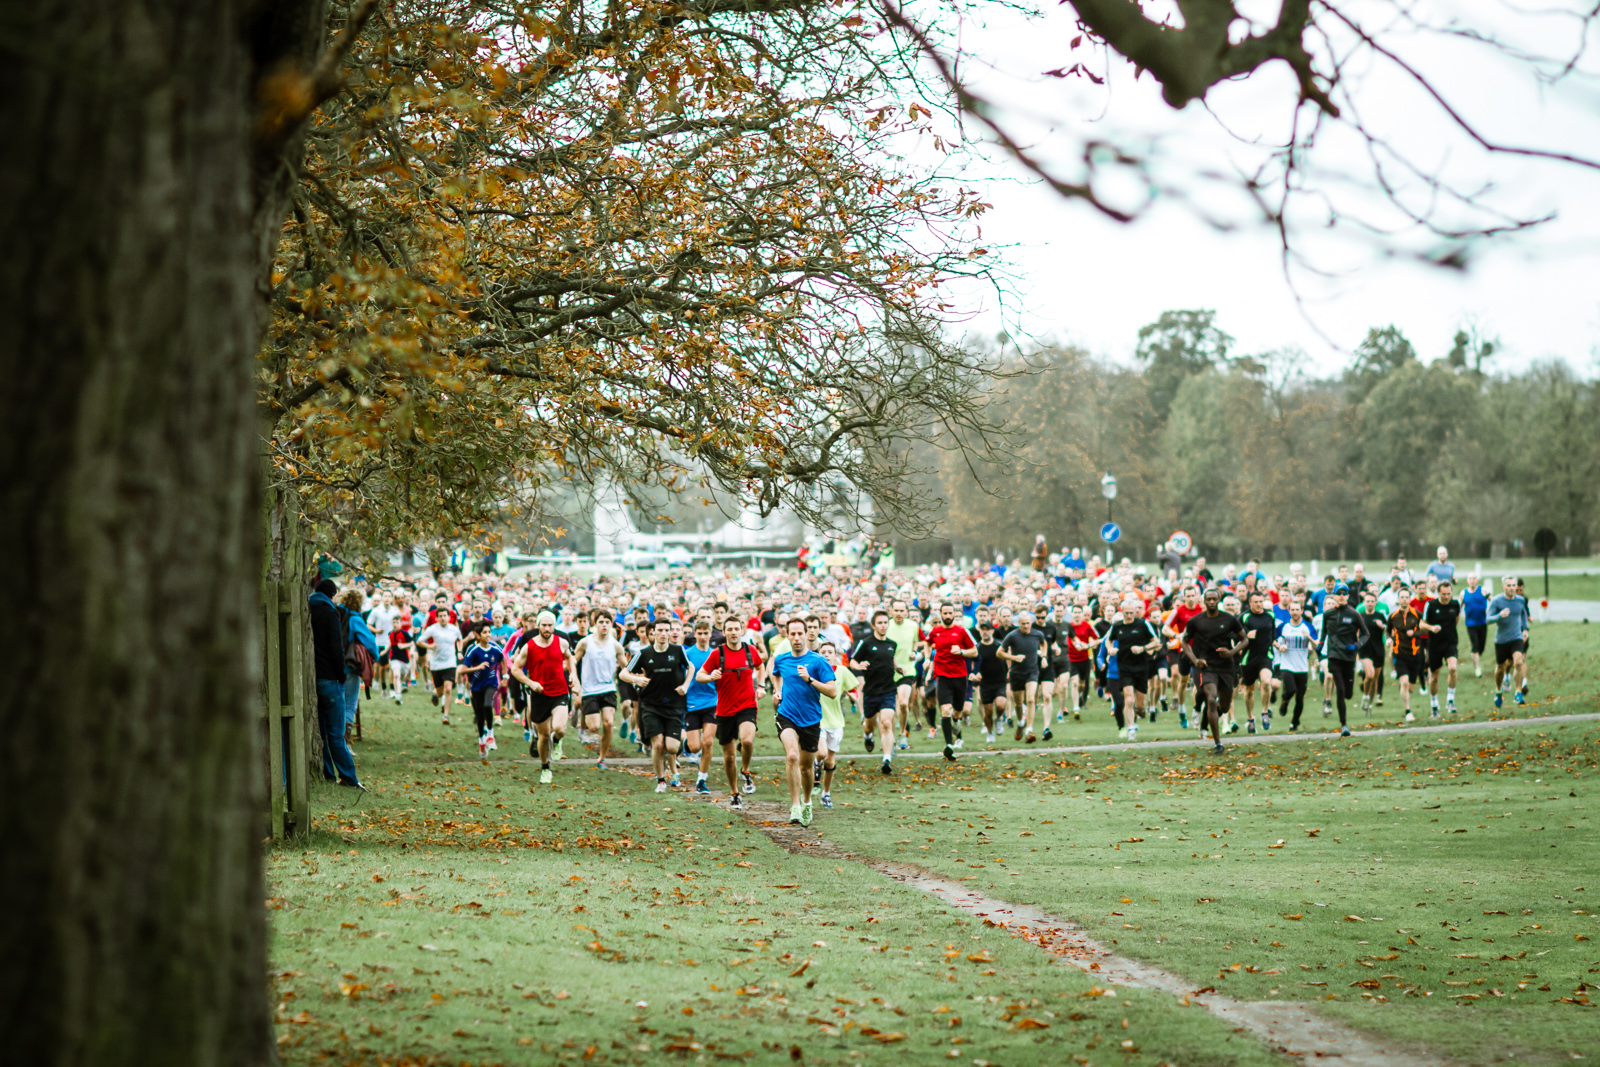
(1047, 672)
(1437, 654)
(908, 680)
(663, 719)
(808, 735)
(1079, 667)
(442, 678)
(1477, 638)
(728, 725)
(596, 703)
(1135, 676)
(952, 691)
(872, 704)
(1409, 667)
(542, 705)
(1018, 679)
(1179, 662)
(1375, 654)
(1252, 668)
(625, 692)
(989, 692)
(1503, 651)
(1223, 680)
(697, 719)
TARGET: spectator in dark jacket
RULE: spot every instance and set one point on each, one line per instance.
(327, 647)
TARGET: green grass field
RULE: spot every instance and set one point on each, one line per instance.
(462, 914)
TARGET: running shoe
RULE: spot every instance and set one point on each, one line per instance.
(1133, 732)
(1019, 732)
(748, 780)
(805, 814)
(1252, 724)
(887, 768)
(950, 753)
(677, 783)
(931, 734)
(493, 745)
(1522, 698)
(545, 777)
(1233, 727)
(661, 785)
(1450, 707)
(558, 753)
(600, 765)
(1380, 702)
(1410, 717)
(1266, 721)
(1164, 706)
(1217, 749)
(1077, 714)
(1499, 699)
(1294, 728)
(434, 699)
(1047, 734)
(1477, 672)
(1031, 738)
(1122, 734)
(444, 720)
(1434, 714)
(1327, 708)
(1153, 714)
(988, 738)
(1344, 731)
(1183, 719)
(869, 741)
(903, 745)
(735, 803)
(827, 801)
(527, 735)
(960, 742)
(483, 746)
(794, 815)
(702, 786)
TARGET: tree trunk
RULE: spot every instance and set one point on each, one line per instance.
(131, 785)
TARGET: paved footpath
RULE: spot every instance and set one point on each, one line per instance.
(1180, 742)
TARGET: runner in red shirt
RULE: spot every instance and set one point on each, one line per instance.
(544, 666)
(952, 647)
(1081, 640)
(1187, 608)
(733, 668)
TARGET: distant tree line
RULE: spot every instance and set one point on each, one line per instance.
(1252, 456)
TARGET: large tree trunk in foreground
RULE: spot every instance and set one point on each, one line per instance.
(131, 926)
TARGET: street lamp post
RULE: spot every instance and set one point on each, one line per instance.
(1108, 489)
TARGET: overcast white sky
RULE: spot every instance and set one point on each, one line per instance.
(1085, 279)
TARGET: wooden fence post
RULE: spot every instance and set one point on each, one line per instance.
(287, 707)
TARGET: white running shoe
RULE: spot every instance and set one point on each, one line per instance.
(492, 744)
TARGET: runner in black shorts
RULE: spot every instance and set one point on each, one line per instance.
(1138, 642)
(1262, 627)
(1439, 619)
(1213, 641)
(1370, 659)
(991, 675)
(1021, 650)
(1404, 641)
(873, 657)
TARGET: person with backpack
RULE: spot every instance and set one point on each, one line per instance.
(327, 647)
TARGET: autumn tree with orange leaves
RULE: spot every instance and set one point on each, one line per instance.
(655, 243)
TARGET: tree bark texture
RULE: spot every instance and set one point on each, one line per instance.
(131, 779)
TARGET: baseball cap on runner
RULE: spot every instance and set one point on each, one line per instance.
(1341, 588)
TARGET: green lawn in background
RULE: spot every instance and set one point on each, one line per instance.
(1440, 889)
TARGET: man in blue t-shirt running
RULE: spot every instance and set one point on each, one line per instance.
(802, 678)
(1509, 613)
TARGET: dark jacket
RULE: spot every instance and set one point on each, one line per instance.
(327, 638)
(1344, 630)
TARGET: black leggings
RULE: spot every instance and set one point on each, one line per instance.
(1294, 684)
(1343, 673)
(1118, 704)
(483, 710)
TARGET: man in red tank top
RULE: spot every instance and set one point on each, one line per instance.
(733, 668)
(544, 666)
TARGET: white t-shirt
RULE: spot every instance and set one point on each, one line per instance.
(381, 619)
(442, 656)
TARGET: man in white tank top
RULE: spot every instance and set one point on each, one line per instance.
(597, 659)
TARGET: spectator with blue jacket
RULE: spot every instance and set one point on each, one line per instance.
(328, 648)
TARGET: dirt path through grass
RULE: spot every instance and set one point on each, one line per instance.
(1285, 1026)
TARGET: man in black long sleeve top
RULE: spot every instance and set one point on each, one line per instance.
(1213, 641)
(1344, 631)
(327, 652)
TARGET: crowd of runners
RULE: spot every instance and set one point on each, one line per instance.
(675, 666)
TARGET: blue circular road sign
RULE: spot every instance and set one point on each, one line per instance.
(1110, 532)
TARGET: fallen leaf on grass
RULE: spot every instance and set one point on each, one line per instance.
(1031, 1024)
(1296, 915)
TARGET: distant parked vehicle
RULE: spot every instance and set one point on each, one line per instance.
(638, 559)
(678, 556)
